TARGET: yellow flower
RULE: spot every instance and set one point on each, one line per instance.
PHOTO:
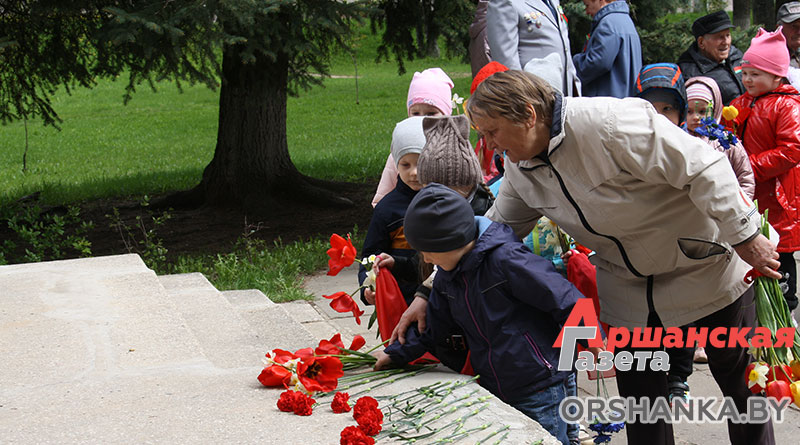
(730, 112)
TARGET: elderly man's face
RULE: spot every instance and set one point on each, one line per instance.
(792, 33)
(715, 46)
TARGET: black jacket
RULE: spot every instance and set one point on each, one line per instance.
(693, 64)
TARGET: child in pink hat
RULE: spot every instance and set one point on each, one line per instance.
(768, 124)
(429, 94)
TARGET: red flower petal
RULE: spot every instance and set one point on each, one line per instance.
(358, 342)
(274, 375)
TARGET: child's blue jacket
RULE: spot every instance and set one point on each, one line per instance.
(511, 305)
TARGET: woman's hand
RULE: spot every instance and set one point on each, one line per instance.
(760, 253)
(416, 312)
(383, 260)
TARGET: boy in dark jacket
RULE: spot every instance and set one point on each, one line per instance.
(510, 303)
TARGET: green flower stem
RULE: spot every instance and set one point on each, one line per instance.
(453, 437)
(390, 381)
(482, 441)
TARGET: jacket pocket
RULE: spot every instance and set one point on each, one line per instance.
(698, 249)
(537, 354)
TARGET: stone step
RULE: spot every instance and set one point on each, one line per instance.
(224, 336)
(86, 318)
(270, 321)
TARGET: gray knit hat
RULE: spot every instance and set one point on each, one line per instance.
(448, 157)
(407, 137)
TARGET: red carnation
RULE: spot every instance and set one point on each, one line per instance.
(370, 422)
(352, 435)
(340, 403)
(297, 402)
(286, 401)
(363, 405)
(303, 405)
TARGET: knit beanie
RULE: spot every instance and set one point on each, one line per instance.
(663, 82)
(705, 88)
(548, 69)
(407, 137)
(448, 157)
(439, 220)
(486, 72)
(768, 53)
(431, 87)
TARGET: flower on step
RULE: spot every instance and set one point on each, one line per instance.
(280, 367)
(296, 402)
(343, 302)
(318, 373)
(340, 403)
(334, 346)
(352, 435)
(342, 254)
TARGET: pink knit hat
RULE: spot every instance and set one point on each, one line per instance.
(768, 53)
(705, 88)
(431, 87)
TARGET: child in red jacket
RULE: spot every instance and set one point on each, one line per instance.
(768, 123)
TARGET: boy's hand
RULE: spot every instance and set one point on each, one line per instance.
(384, 361)
(416, 312)
(383, 260)
(369, 296)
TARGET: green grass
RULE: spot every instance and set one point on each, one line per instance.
(162, 140)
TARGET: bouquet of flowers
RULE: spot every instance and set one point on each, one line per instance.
(776, 370)
(711, 129)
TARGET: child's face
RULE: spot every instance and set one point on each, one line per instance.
(758, 82)
(445, 260)
(421, 109)
(698, 109)
(667, 110)
(407, 169)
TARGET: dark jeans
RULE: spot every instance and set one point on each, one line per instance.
(727, 366)
(543, 408)
(789, 281)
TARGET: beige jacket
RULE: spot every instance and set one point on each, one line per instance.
(651, 200)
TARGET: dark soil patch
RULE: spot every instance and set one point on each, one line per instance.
(209, 230)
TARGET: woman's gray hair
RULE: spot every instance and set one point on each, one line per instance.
(507, 94)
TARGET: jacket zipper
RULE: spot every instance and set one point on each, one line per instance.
(475, 322)
(586, 224)
(538, 352)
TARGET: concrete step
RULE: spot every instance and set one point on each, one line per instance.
(224, 336)
(68, 320)
(272, 324)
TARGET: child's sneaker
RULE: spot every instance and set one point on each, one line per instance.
(678, 390)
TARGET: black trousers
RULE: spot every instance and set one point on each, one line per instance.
(789, 281)
(727, 366)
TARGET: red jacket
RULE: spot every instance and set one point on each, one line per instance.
(769, 127)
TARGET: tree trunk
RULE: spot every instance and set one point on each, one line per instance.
(764, 13)
(251, 168)
(741, 13)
